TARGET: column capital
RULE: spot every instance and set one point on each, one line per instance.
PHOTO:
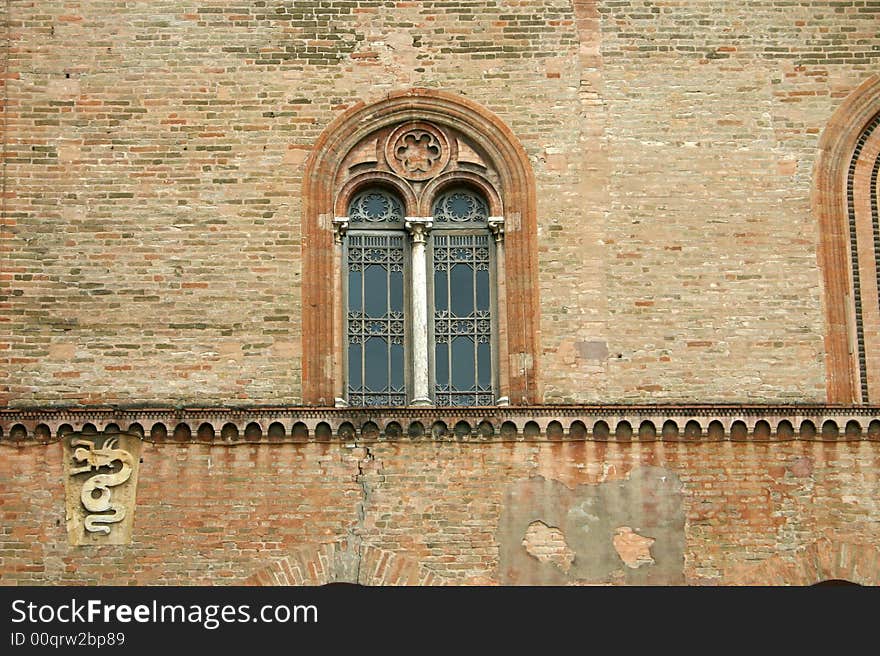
(418, 227)
(340, 227)
(496, 227)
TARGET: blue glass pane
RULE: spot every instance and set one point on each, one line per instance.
(354, 366)
(460, 205)
(376, 307)
(375, 291)
(376, 364)
(397, 366)
(376, 205)
(440, 291)
(354, 291)
(462, 363)
(484, 368)
(483, 290)
(441, 364)
(461, 281)
(396, 291)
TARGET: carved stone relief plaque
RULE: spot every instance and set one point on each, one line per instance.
(100, 473)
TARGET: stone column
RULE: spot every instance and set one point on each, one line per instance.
(340, 349)
(496, 227)
(418, 228)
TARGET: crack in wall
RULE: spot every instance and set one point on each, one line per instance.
(358, 531)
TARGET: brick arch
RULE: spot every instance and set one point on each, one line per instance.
(823, 560)
(343, 562)
(837, 146)
(321, 297)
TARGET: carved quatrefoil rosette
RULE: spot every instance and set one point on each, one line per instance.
(417, 151)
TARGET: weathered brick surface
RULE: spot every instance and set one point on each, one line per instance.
(151, 254)
(154, 155)
(435, 512)
(206, 515)
(707, 250)
(155, 160)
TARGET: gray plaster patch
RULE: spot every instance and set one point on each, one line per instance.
(592, 350)
(649, 503)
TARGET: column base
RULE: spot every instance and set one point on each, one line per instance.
(423, 401)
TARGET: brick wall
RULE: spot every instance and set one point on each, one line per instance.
(154, 154)
(714, 114)
(445, 512)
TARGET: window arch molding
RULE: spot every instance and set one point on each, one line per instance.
(452, 179)
(322, 340)
(839, 145)
(380, 179)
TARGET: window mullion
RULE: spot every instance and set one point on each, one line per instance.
(449, 333)
(475, 331)
(499, 315)
(388, 324)
(418, 228)
(363, 292)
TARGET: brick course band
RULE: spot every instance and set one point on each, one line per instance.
(643, 423)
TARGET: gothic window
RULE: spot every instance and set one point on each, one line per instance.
(429, 294)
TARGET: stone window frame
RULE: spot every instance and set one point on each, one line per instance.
(323, 197)
(837, 195)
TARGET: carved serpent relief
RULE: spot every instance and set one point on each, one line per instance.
(95, 493)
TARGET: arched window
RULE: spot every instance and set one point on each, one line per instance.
(846, 203)
(375, 267)
(395, 354)
(432, 282)
(463, 298)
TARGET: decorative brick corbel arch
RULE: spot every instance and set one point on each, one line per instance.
(343, 562)
(321, 368)
(837, 146)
